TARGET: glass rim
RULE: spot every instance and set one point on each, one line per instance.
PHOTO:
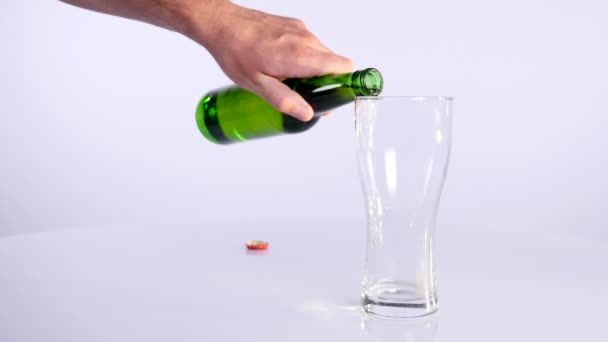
(407, 97)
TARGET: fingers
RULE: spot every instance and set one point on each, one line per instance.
(317, 44)
(283, 98)
(308, 62)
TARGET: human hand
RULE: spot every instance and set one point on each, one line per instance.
(257, 50)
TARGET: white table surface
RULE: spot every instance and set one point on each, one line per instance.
(197, 282)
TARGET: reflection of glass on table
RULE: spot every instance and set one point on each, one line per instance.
(421, 329)
(403, 147)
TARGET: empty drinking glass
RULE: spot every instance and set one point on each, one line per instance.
(403, 147)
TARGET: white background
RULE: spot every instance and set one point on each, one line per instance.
(97, 117)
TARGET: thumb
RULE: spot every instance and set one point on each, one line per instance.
(283, 99)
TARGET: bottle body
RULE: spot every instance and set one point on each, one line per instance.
(233, 114)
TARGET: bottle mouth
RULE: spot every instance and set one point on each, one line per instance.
(372, 82)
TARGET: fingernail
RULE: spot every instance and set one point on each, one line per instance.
(302, 113)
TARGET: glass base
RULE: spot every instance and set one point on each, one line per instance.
(398, 300)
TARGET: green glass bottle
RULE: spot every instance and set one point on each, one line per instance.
(233, 114)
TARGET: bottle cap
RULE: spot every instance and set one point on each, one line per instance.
(256, 244)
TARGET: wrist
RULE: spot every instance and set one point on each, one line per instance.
(200, 20)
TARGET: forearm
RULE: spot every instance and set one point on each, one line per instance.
(175, 15)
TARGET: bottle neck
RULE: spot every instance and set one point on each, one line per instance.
(324, 93)
(366, 82)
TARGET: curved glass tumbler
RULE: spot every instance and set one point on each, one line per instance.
(403, 148)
